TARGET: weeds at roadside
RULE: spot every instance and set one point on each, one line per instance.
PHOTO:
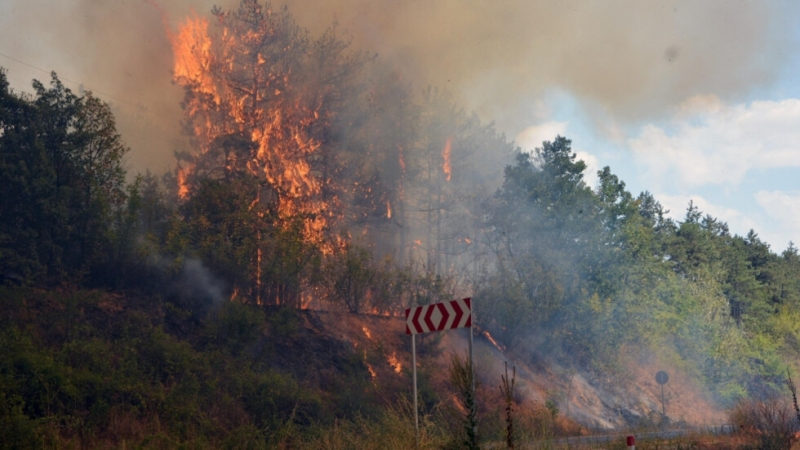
(770, 422)
(461, 376)
(507, 391)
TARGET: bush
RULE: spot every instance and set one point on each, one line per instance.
(16, 429)
(235, 326)
(771, 422)
(393, 428)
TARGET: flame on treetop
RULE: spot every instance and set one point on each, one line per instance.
(246, 114)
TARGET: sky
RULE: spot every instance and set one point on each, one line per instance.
(687, 100)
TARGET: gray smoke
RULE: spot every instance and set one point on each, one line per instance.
(625, 58)
(197, 282)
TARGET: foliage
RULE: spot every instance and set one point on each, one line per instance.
(770, 421)
(793, 390)
(595, 271)
(462, 377)
(99, 369)
(61, 162)
(507, 393)
(393, 429)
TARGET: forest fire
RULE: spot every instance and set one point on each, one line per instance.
(329, 181)
(248, 117)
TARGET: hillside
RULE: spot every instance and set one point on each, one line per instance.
(97, 368)
(595, 403)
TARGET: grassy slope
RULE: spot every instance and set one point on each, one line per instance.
(95, 368)
(83, 368)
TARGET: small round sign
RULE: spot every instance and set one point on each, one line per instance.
(662, 377)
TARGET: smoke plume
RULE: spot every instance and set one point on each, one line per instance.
(624, 58)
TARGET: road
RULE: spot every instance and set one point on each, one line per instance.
(578, 441)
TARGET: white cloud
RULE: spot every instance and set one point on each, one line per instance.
(784, 208)
(533, 136)
(738, 222)
(713, 143)
(592, 166)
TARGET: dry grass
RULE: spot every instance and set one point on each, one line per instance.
(394, 430)
(771, 422)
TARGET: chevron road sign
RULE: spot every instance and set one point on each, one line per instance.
(439, 316)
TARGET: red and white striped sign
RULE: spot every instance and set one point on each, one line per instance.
(439, 316)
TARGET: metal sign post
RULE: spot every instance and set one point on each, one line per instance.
(414, 370)
(472, 371)
(439, 317)
(662, 378)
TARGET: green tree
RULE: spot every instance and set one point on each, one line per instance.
(62, 158)
(541, 225)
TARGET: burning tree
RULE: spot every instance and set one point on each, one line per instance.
(323, 148)
(264, 105)
(261, 97)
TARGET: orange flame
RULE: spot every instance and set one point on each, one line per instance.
(366, 332)
(491, 339)
(394, 362)
(247, 97)
(183, 185)
(448, 148)
(192, 49)
(372, 373)
(402, 162)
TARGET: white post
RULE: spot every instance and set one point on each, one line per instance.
(472, 370)
(414, 370)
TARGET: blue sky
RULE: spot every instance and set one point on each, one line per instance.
(738, 161)
(685, 99)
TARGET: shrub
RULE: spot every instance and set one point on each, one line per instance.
(771, 422)
(461, 376)
(235, 325)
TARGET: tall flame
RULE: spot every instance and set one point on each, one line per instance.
(183, 186)
(242, 103)
(191, 47)
(446, 151)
